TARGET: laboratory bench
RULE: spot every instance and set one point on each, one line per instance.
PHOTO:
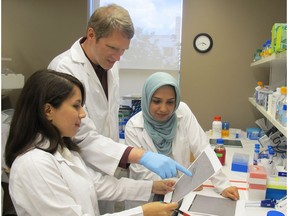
(238, 179)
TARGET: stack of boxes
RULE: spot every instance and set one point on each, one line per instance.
(257, 180)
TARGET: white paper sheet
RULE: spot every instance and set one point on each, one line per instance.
(238, 208)
(202, 169)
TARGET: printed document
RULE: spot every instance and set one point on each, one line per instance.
(206, 165)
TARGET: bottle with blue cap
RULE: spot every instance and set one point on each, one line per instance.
(225, 129)
(256, 153)
(284, 116)
(220, 150)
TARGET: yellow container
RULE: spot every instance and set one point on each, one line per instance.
(279, 37)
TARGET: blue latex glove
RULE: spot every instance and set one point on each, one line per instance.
(162, 165)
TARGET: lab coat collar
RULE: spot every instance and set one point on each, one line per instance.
(77, 53)
(61, 155)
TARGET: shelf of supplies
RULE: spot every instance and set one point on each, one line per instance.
(280, 127)
(131, 97)
(12, 81)
(265, 62)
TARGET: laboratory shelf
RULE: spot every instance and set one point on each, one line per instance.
(280, 127)
(275, 57)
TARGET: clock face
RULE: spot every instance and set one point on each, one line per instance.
(203, 43)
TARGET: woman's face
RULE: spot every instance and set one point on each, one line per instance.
(67, 118)
(163, 103)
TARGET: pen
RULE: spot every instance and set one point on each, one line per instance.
(181, 212)
(263, 203)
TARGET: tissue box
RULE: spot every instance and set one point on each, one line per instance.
(240, 162)
(276, 187)
(257, 182)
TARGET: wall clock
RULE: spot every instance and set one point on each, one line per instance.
(203, 43)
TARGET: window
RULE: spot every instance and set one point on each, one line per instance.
(157, 40)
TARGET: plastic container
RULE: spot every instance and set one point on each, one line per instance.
(272, 102)
(265, 94)
(279, 37)
(256, 154)
(253, 133)
(240, 162)
(284, 116)
(121, 125)
(257, 180)
(225, 129)
(276, 187)
(280, 102)
(217, 127)
(220, 151)
(257, 90)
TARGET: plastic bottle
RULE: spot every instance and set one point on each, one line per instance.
(262, 54)
(284, 116)
(258, 96)
(280, 102)
(256, 153)
(225, 129)
(217, 127)
(270, 168)
(120, 118)
(272, 102)
(271, 154)
(220, 151)
(268, 50)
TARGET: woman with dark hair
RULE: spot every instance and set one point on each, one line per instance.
(47, 174)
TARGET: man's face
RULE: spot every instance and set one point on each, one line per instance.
(106, 51)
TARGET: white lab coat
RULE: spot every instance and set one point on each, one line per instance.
(61, 184)
(102, 116)
(190, 137)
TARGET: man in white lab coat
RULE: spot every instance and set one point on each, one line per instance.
(93, 60)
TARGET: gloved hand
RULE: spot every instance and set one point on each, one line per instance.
(162, 165)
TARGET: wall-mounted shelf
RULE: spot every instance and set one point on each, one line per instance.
(10, 82)
(277, 63)
(266, 62)
(280, 127)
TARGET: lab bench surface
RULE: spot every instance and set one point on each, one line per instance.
(238, 179)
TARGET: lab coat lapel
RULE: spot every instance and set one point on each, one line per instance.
(77, 165)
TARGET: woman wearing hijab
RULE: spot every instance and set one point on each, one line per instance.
(166, 125)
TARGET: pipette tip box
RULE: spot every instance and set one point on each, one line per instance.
(240, 162)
